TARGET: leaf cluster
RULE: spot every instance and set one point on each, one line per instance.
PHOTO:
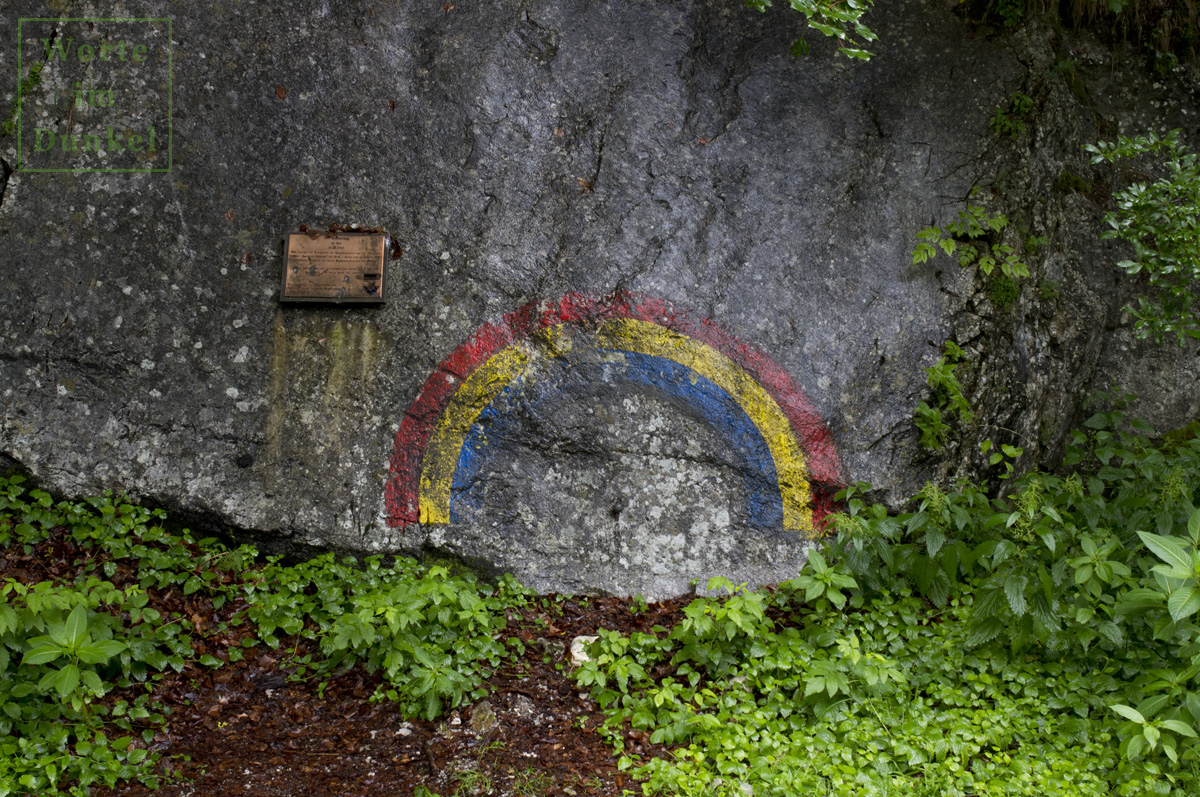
(971, 239)
(64, 646)
(1009, 119)
(1158, 216)
(947, 399)
(837, 19)
(431, 635)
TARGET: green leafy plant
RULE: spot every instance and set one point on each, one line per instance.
(472, 783)
(433, 636)
(933, 417)
(65, 644)
(70, 640)
(1012, 11)
(1048, 290)
(1009, 119)
(970, 239)
(1006, 454)
(1158, 216)
(1171, 441)
(1003, 291)
(838, 19)
(947, 399)
(823, 582)
(531, 783)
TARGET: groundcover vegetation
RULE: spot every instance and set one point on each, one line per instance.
(80, 651)
(1039, 642)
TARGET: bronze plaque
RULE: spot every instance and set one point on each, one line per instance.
(334, 267)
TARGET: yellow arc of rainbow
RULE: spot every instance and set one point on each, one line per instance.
(471, 398)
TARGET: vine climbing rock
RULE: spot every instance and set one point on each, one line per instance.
(652, 299)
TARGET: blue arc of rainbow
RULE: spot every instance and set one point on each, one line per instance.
(694, 394)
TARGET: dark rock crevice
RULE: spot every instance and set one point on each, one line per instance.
(6, 171)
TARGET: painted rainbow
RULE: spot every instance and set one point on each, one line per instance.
(784, 446)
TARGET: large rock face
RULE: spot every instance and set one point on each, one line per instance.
(538, 155)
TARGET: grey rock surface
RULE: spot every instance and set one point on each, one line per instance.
(483, 718)
(519, 152)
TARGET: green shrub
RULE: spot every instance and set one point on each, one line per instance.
(1009, 119)
(947, 399)
(65, 645)
(1172, 440)
(1158, 219)
(1042, 643)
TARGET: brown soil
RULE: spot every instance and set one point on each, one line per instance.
(245, 729)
